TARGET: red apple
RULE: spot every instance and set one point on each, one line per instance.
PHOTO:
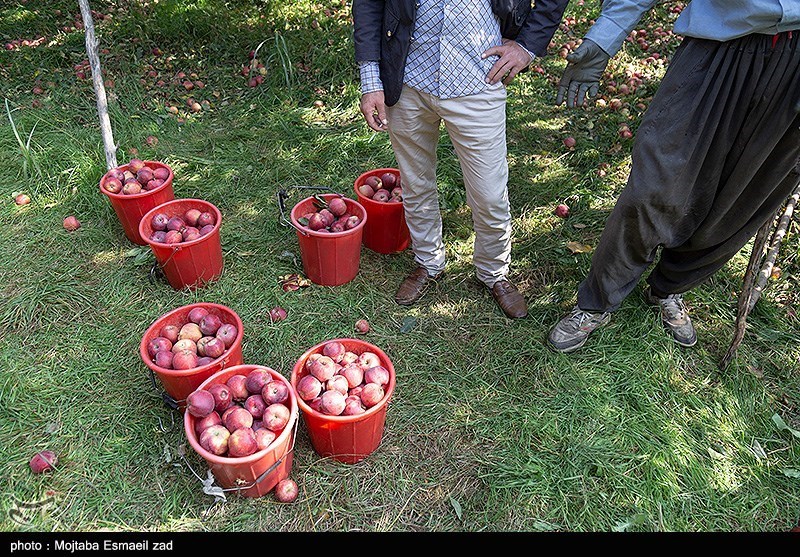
(323, 368)
(353, 406)
(238, 387)
(276, 416)
(377, 374)
(163, 358)
(354, 375)
(204, 423)
(158, 343)
(184, 359)
(227, 333)
(264, 438)
(286, 491)
(43, 461)
(242, 443)
(200, 403)
(255, 405)
(215, 348)
(277, 314)
(24, 199)
(372, 394)
(191, 331)
(256, 380)
(362, 326)
(214, 439)
(309, 387)
(334, 350)
(332, 403)
(196, 314)
(184, 344)
(206, 218)
(222, 397)
(337, 206)
(275, 391)
(191, 216)
(237, 418)
(71, 224)
(210, 323)
(337, 383)
(561, 210)
(368, 359)
(569, 142)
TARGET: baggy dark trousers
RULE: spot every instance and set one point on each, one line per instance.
(715, 157)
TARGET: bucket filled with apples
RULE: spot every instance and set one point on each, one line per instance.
(184, 235)
(380, 191)
(135, 188)
(243, 422)
(343, 388)
(329, 230)
(187, 345)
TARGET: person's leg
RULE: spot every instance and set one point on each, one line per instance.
(679, 150)
(757, 175)
(476, 125)
(414, 133)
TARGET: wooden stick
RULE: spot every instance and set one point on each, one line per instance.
(99, 87)
(747, 290)
(772, 255)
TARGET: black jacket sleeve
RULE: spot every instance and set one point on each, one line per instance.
(367, 26)
(541, 25)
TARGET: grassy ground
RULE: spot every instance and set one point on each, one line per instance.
(488, 430)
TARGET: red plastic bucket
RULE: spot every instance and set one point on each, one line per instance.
(259, 473)
(180, 383)
(386, 230)
(131, 208)
(348, 439)
(187, 264)
(329, 259)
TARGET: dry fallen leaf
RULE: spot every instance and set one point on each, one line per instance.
(577, 247)
(293, 282)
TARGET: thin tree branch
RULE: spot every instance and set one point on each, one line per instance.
(99, 87)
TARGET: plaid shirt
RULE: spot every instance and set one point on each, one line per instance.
(444, 59)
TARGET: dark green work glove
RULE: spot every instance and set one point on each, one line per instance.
(581, 77)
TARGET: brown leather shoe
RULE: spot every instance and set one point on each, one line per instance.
(509, 299)
(413, 286)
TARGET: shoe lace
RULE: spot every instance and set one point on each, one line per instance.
(674, 306)
(578, 317)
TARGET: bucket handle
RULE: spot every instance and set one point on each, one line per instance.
(283, 194)
(168, 400)
(158, 267)
(210, 489)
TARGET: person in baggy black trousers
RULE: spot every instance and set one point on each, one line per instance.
(716, 155)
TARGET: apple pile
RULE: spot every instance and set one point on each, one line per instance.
(242, 416)
(200, 341)
(330, 216)
(385, 188)
(342, 383)
(137, 178)
(193, 224)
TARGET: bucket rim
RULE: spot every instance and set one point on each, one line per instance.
(302, 229)
(121, 196)
(285, 435)
(380, 407)
(148, 216)
(194, 370)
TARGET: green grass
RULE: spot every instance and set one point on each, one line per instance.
(488, 430)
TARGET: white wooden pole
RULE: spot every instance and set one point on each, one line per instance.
(99, 86)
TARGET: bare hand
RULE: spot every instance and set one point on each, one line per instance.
(513, 59)
(373, 107)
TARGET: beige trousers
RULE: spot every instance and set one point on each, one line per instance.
(476, 125)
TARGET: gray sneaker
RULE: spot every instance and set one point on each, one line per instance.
(571, 332)
(675, 317)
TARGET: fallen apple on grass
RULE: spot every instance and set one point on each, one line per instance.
(71, 223)
(562, 210)
(43, 461)
(287, 490)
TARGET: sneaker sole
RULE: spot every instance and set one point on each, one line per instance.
(568, 349)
